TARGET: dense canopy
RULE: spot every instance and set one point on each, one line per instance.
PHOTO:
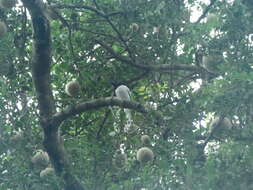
(187, 64)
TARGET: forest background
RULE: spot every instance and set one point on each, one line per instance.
(191, 85)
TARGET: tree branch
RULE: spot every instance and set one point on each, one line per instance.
(101, 126)
(96, 104)
(205, 11)
(99, 13)
(41, 60)
(152, 66)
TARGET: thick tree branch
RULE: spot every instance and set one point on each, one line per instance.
(41, 61)
(96, 104)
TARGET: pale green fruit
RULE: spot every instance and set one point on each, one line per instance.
(145, 155)
(41, 158)
(17, 137)
(145, 139)
(72, 88)
(225, 123)
(120, 160)
(211, 18)
(135, 27)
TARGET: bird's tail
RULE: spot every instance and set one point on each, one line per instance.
(129, 121)
(128, 114)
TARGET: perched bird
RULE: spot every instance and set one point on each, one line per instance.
(123, 93)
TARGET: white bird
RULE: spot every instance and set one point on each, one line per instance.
(123, 93)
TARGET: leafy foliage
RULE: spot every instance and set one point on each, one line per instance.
(160, 60)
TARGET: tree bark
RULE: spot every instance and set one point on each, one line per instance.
(41, 60)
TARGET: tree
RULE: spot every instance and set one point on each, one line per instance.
(182, 74)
